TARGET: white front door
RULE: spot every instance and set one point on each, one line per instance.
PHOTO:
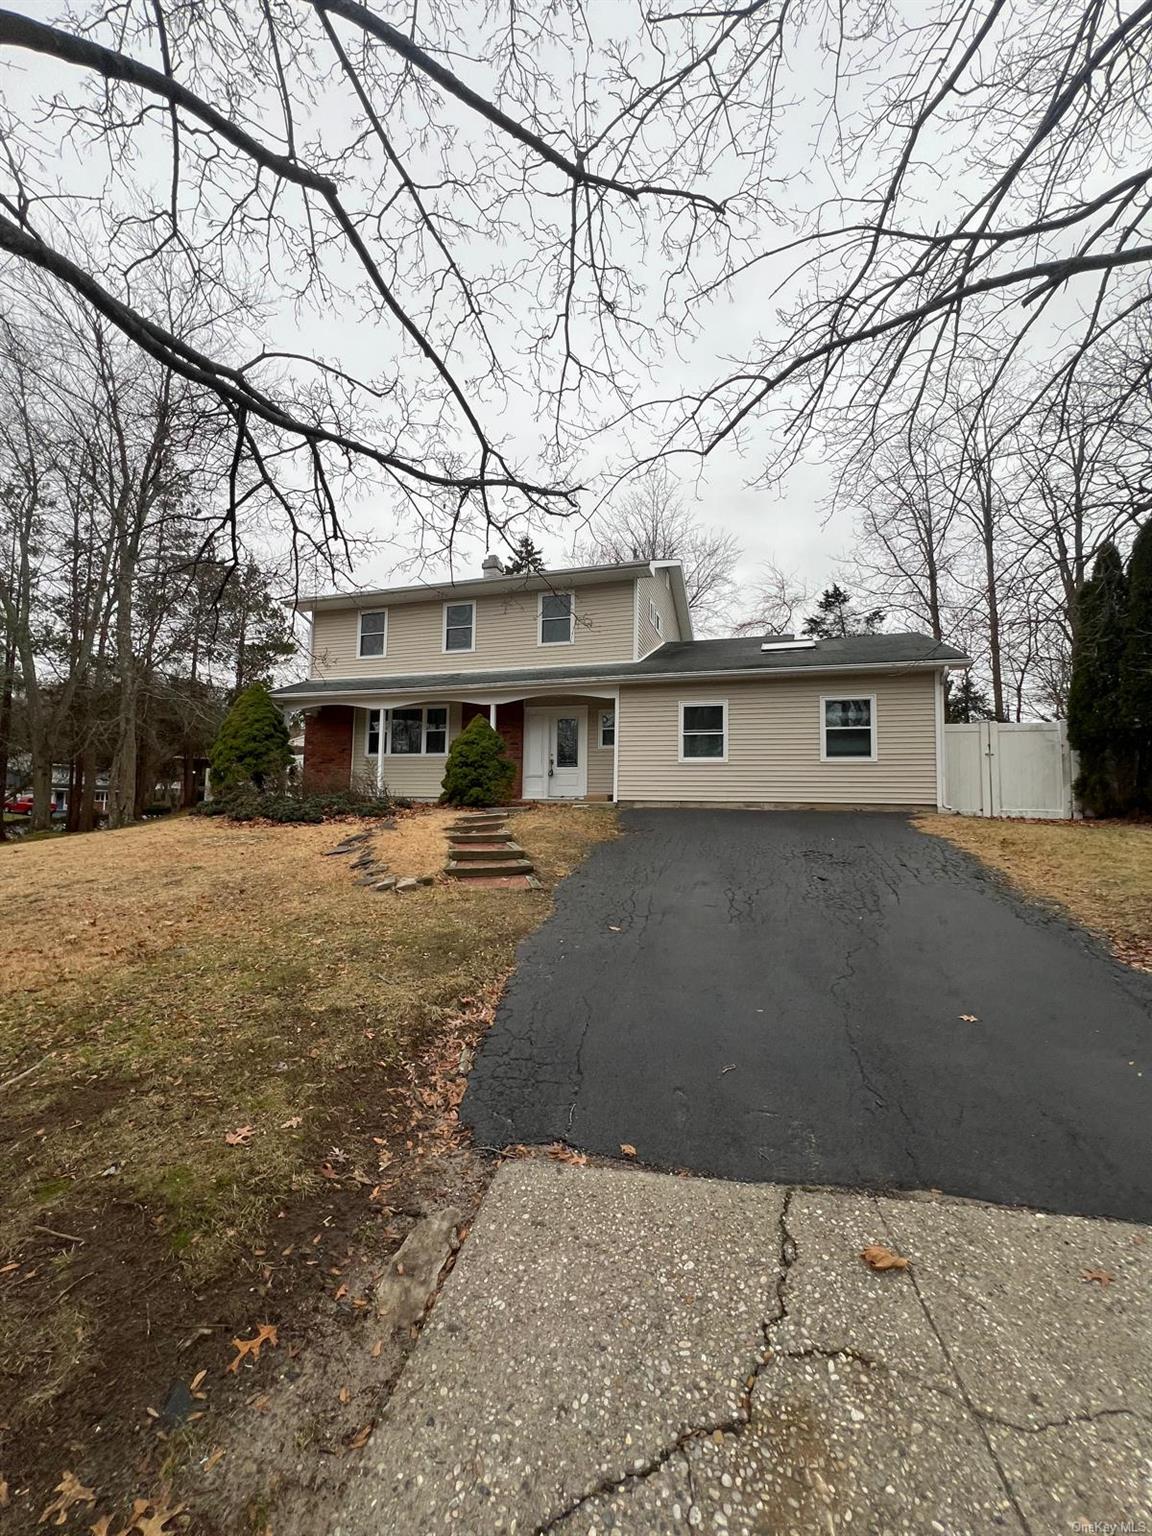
(556, 754)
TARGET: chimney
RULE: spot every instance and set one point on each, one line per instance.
(491, 566)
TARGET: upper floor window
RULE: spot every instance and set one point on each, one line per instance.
(556, 618)
(656, 618)
(607, 727)
(849, 727)
(410, 731)
(459, 626)
(704, 730)
(374, 633)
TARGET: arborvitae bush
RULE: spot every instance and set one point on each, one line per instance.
(1098, 726)
(252, 747)
(1136, 665)
(479, 770)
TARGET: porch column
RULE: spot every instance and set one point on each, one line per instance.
(380, 755)
(492, 716)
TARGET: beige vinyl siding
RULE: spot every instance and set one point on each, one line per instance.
(600, 759)
(774, 742)
(655, 589)
(408, 774)
(506, 635)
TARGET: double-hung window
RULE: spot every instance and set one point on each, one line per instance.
(374, 633)
(848, 729)
(607, 727)
(556, 616)
(417, 730)
(703, 730)
(459, 626)
(655, 617)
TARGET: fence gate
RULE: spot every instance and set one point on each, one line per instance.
(1021, 769)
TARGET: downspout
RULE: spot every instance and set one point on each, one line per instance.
(941, 777)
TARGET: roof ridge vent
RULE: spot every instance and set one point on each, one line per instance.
(787, 643)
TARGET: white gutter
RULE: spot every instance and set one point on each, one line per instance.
(477, 692)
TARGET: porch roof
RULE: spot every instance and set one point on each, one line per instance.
(688, 659)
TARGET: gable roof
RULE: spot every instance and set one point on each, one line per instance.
(677, 659)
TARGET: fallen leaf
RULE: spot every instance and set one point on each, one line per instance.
(627, 1149)
(292, 1123)
(216, 1455)
(969, 1018)
(612, 928)
(194, 1384)
(240, 1137)
(377, 1349)
(345, 1396)
(265, 1334)
(1101, 1276)
(341, 1292)
(154, 1524)
(3, 1492)
(876, 1256)
(361, 1437)
(103, 1527)
(71, 1491)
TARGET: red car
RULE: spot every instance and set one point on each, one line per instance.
(19, 805)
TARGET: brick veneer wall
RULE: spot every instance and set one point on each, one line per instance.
(328, 748)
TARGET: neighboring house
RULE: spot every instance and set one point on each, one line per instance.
(61, 789)
(594, 680)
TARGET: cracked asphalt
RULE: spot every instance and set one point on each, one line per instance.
(626, 1353)
(824, 998)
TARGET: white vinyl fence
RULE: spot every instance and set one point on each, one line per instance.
(1009, 770)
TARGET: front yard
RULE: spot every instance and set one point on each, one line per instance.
(1098, 873)
(228, 1079)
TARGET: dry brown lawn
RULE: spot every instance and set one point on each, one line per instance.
(1099, 873)
(243, 1065)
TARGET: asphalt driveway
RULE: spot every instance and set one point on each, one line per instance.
(824, 998)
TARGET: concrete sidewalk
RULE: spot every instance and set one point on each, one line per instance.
(622, 1351)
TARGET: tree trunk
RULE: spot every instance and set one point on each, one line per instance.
(5, 732)
(87, 818)
(122, 781)
(41, 788)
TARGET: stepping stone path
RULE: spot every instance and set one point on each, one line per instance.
(481, 850)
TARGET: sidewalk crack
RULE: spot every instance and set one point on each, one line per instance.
(735, 1424)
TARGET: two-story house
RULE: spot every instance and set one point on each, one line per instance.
(594, 680)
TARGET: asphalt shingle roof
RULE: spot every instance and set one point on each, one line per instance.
(700, 658)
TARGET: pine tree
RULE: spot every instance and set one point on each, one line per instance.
(964, 702)
(835, 616)
(1136, 666)
(1097, 720)
(252, 747)
(478, 771)
(525, 558)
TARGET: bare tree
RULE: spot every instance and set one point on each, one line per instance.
(652, 522)
(775, 602)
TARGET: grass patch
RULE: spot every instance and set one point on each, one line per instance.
(223, 1028)
(1098, 873)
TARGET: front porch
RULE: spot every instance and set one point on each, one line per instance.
(563, 745)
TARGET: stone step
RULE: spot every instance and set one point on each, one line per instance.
(485, 835)
(466, 823)
(485, 851)
(477, 869)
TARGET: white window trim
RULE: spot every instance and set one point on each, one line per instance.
(711, 703)
(540, 640)
(386, 734)
(606, 746)
(655, 617)
(837, 698)
(361, 654)
(459, 650)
